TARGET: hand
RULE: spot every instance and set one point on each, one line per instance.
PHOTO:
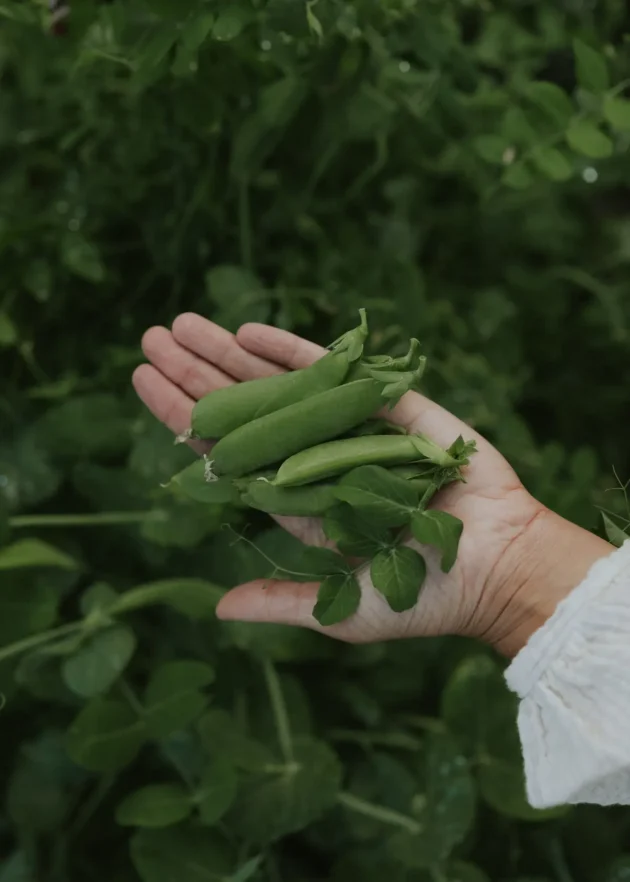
(516, 559)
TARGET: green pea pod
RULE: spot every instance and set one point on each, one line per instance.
(311, 501)
(378, 427)
(193, 483)
(335, 457)
(224, 410)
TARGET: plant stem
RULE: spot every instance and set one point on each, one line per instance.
(84, 520)
(36, 640)
(279, 709)
(378, 812)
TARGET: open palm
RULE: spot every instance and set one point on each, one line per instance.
(198, 356)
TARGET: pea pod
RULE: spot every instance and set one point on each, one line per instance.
(311, 501)
(192, 482)
(334, 457)
(224, 410)
(276, 436)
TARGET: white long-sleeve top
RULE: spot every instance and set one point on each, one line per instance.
(573, 682)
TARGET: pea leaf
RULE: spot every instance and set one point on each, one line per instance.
(518, 176)
(98, 598)
(491, 148)
(614, 534)
(216, 790)
(354, 534)
(273, 804)
(385, 499)
(223, 738)
(320, 562)
(550, 98)
(617, 112)
(229, 23)
(191, 482)
(34, 553)
(194, 31)
(584, 137)
(442, 531)
(174, 696)
(158, 805)
(337, 599)
(552, 163)
(444, 810)
(398, 574)
(105, 736)
(591, 68)
(180, 854)
(99, 661)
(502, 786)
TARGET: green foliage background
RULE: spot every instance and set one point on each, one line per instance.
(460, 168)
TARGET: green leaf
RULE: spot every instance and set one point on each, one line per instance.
(274, 804)
(614, 534)
(502, 786)
(158, 805)
(552, 163)
(385, 499)
(82, 258)
(98, 663)
(174, 696)
(337, 599)
(8, 332)
(398, 574)
(354, 535)
(34, 553)
(223, 738)
(442, 531)
(491, 148)
(591, 68)
(320, 562)
(98, 599)
(85, 426)
(181, 854)
(216, 790)
(445, 810)
(229, 23)
(518, 176)
(550, 98)
(617, 112)
(584, 137)
(105, 736)
(194, 32)
(192, 483)
(246, 871)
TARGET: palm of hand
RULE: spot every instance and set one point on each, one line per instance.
(198, 356)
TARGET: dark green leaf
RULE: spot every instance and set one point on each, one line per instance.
(442, 531)
(619, 872)
(584, 137)
(100, 660)
(216, 790)
(398, 574)
(98, 599)
(229, 23)
(275, 803)
(617, 112)
(320, 562)
(491, 148)
(223, 738)
(158, 805)
(518, 176)
(193, 33)
(502, 786)
(174, 696)
(552, 163)
(354, 534)
(552, 99)
(337, 599)
(591, 68)
(444, 811)
(384, 498)
(105, 736)
(180, 854)
(34, 553)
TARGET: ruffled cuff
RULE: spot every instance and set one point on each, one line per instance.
(573, 679)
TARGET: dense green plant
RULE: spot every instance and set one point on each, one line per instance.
(458, 168)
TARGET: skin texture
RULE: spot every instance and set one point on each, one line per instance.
(516, 560)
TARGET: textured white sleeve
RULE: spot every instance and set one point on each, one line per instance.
(573, 681)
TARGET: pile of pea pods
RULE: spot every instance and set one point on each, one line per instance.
(314, 443)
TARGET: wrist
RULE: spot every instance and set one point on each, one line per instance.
(550, 558)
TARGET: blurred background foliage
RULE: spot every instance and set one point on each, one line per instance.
(458, 167)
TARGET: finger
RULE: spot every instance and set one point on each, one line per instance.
(282, 603)
(283, 347)
(414, 411)
(192, 374)
(165, 401)
(219, 347)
